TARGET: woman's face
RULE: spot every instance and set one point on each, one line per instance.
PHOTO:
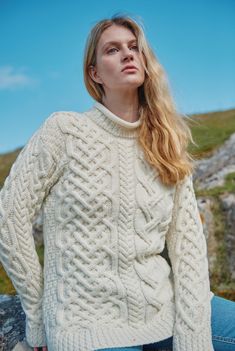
(112, 58)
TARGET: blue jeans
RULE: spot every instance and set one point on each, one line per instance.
(222, 324)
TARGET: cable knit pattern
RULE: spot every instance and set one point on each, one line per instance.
(106, 220)
(28, 183)
(188, 253)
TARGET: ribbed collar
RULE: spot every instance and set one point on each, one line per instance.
(112, 123)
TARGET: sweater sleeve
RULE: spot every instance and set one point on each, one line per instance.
(187, 250)
(21, 197)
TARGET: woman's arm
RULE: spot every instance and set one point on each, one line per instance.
(22, 195)
(187, 251)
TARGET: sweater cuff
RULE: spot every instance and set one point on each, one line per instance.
(193, 342)
(35, 334)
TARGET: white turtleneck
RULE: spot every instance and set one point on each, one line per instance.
(106, 219)
(116, 118)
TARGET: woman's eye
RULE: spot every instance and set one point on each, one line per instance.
(135, 46)
(110, 50)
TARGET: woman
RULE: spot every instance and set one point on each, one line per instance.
(115, 186)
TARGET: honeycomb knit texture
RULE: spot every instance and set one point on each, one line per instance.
(107, 221)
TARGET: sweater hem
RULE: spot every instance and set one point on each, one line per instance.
(193, 342)
(99, 337)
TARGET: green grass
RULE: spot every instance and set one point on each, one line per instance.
(6, 286)
(220, 278)
(210, 131)
(228, 187)
(6, 161)
(221, 272)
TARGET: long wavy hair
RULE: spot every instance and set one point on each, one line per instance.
(164, 133)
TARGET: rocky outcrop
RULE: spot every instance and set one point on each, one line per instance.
(12, 324)
(205, 205)
(228, 206)
(211, 172)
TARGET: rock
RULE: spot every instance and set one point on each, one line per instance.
(205, 205)
(211, 172)
(228, 205)
(12, 322)
(4, 298)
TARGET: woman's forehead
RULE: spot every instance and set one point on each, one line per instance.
(116, 34)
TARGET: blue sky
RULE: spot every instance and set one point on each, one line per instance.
(42, 45)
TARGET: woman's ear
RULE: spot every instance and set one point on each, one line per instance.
(94, 75)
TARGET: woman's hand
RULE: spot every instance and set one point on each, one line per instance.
(44, 348)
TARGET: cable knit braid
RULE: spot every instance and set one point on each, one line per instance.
(106, 220)
(21, 198)
(188, 254)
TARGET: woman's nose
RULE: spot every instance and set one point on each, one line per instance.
(128, 55)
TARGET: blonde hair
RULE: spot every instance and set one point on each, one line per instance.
(164, 134)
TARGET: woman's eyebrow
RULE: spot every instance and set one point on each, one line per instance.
(117, 42)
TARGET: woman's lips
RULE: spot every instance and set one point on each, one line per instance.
(130, 69)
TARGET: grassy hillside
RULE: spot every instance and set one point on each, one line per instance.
(209, 131)
(6, 161)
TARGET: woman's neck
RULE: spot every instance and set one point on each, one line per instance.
(125, 108)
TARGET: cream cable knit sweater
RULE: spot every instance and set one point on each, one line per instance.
(106, 219)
